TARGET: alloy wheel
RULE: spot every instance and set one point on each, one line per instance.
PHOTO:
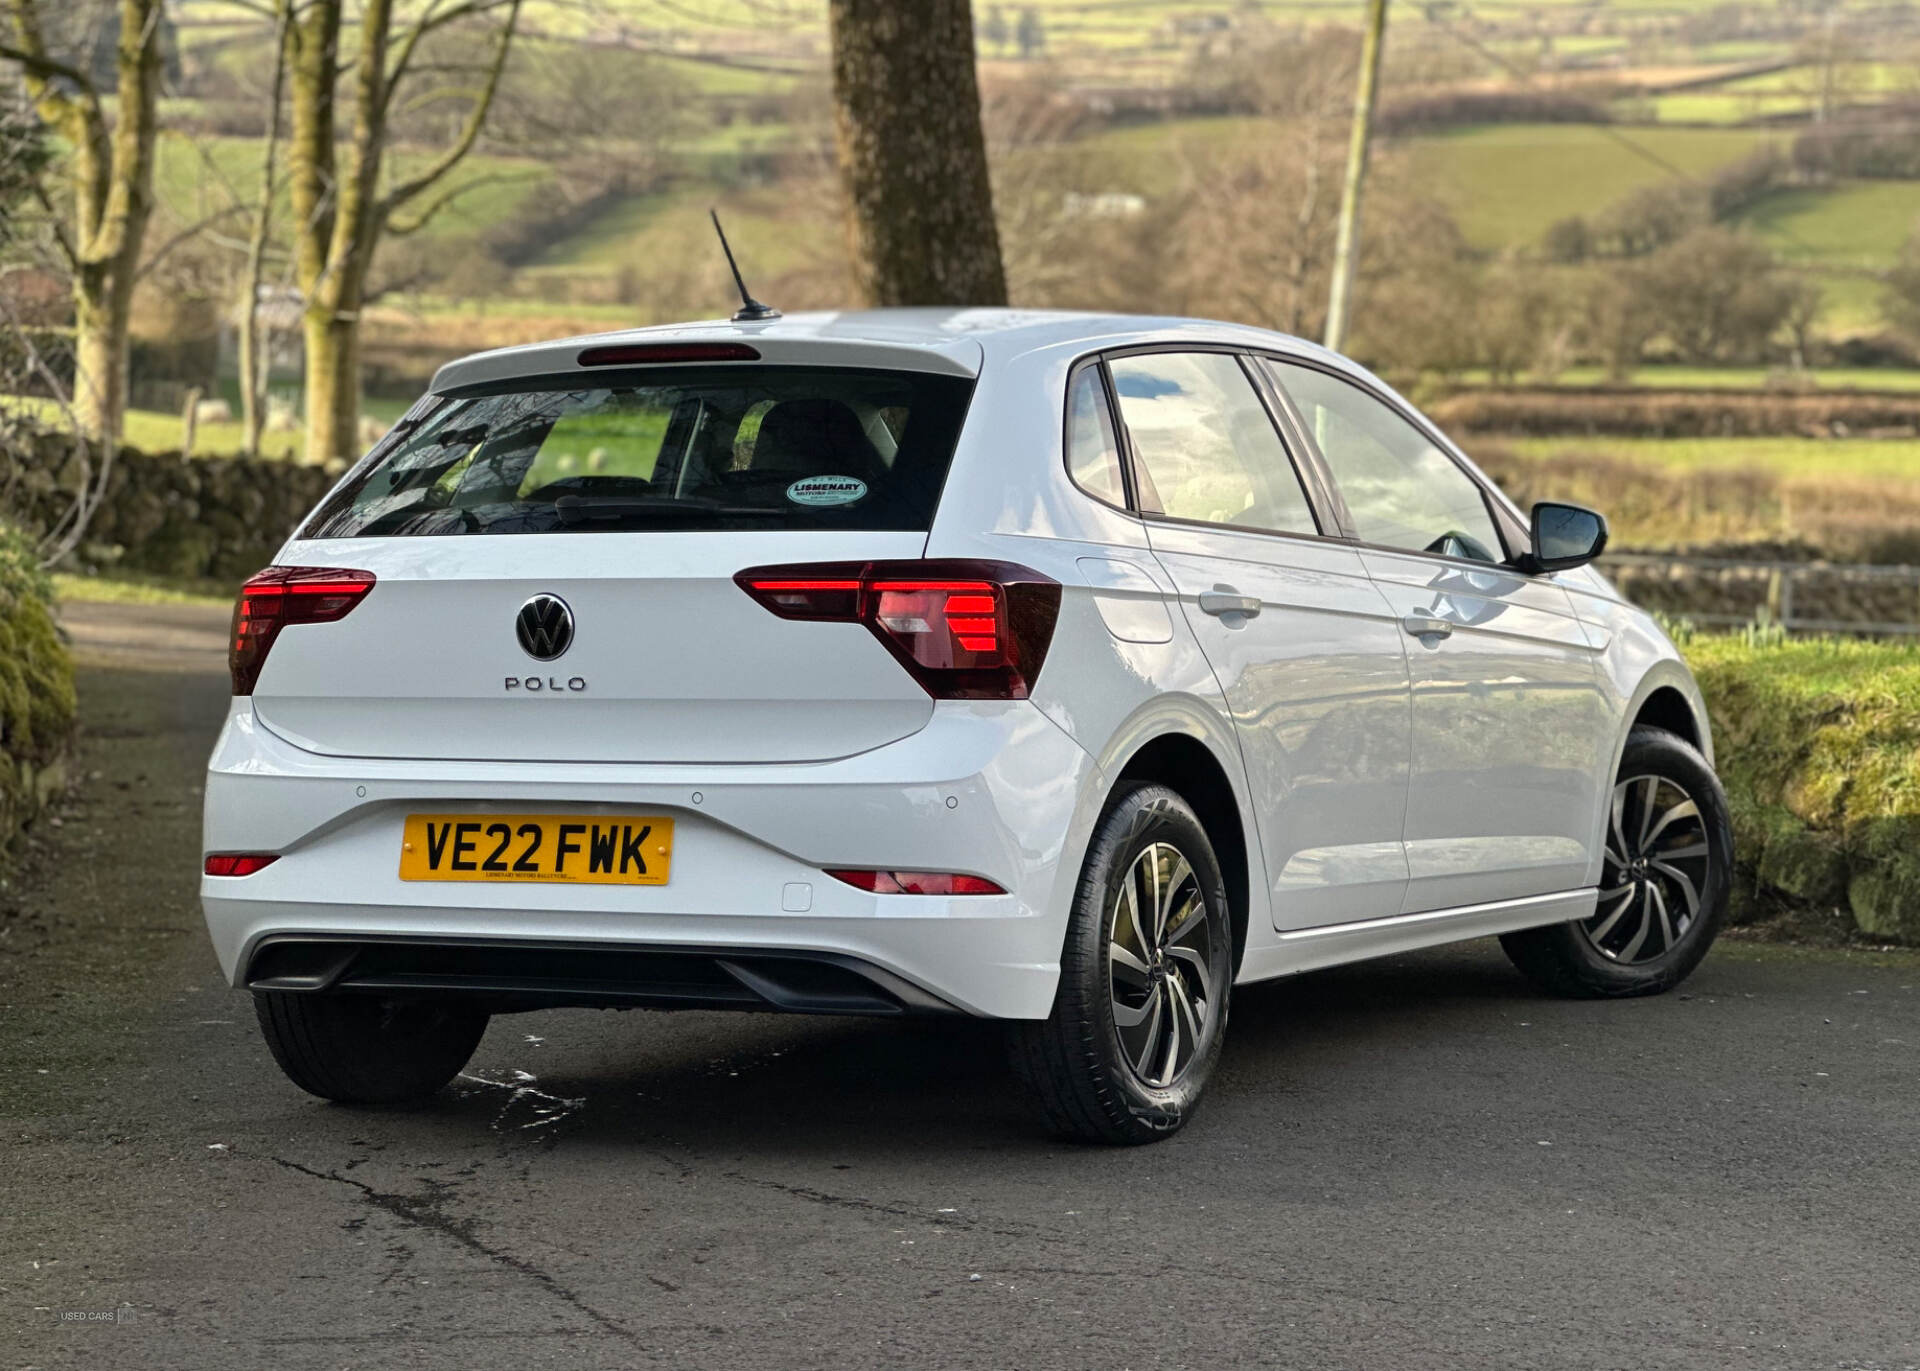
(1165, 964)
(1655, 874)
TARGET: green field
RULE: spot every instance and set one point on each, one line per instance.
(666, 231)
(1712, 106)
(153, 431)
(198, 176)
(129, 589)
(1871, 458)
(1506, 184)
(1855, 225)
(1851, 81)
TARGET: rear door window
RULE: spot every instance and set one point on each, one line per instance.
(1206, 449)
(683, 448)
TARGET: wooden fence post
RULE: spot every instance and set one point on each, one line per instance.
(189, 420)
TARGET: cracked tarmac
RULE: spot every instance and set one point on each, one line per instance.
(1410, 1164)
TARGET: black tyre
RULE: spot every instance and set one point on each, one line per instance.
(1145, 977)
(1663, 888)
(365, 1050)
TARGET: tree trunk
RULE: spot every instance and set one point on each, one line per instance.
(101, 310)
(332, 386)
(112, 179)
(339, 213)
(913, 158)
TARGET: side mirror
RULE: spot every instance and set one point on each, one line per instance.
(1564, 536)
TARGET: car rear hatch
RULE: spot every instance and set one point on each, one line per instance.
(553, 567)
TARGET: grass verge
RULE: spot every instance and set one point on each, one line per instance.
(37, 700)
(1818, 742)
(135, 589)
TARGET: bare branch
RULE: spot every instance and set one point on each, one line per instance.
(431, 20)
(186, 234)
(71, 526)
(60, 238)
(452, 193)
(40, 65)
(470, 134)
(79, 118)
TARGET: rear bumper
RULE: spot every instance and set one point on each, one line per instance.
(506, 975)
(992, 789)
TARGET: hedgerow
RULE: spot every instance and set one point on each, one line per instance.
(37, 703)
(1818, 741)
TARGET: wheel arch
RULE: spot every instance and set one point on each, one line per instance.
(1668, 698)
(1185, 764)
(1665, 697)
(1666, 708)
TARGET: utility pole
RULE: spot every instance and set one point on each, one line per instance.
(1346, 245)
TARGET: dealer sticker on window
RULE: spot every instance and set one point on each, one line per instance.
(827, 490)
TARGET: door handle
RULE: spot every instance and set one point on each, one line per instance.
(1426, 626)
(1225, 600)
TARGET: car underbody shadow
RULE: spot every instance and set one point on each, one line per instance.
(709, 1082)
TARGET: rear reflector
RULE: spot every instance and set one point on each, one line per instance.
(644, 354)
(239, 863)
(283, 595)
(917, 883)
(965, 630)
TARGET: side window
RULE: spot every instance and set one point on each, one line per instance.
(1206, 447)
(1401, 490)
(1093, 455)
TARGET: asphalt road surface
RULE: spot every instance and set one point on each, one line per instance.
(1414, 1163)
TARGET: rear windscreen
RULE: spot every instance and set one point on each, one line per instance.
(681, 448)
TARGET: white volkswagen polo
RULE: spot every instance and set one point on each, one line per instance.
(1067, 670)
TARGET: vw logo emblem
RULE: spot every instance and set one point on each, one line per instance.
(544, 627)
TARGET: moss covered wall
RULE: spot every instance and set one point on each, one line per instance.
(1819, 745)
(36, 691)
(198, 517)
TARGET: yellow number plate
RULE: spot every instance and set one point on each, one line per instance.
(593, 849)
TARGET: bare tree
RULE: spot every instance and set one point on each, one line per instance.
(253, 376)
(34, 371)
(1047, 192)
(1256, 231)
(912, 155)
(337, 157)
(111, 159)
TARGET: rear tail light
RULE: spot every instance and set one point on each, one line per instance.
(918, 883)
(966, 630)
(283, 595)
(239, 863)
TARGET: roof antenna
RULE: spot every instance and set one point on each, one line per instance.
(751, 311)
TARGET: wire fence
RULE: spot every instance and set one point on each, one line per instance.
(1798, 597)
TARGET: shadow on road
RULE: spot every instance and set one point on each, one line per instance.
(718, 1083)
